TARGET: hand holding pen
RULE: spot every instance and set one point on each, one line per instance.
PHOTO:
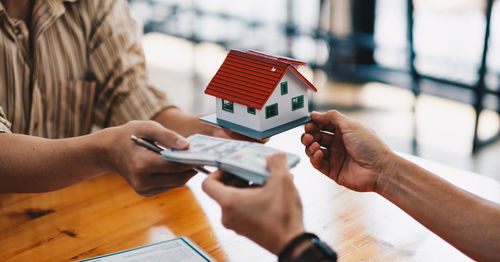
(148, 174)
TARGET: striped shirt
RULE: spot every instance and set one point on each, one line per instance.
(80, 65)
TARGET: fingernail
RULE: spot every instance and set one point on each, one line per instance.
(181, 143)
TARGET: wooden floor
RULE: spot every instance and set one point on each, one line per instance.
(442, 128)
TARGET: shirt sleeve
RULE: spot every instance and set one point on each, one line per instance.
(117, 61)
(4, 123)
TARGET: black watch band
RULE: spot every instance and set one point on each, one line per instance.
(318, 251)
(287, 250)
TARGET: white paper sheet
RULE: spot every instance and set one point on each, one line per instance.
(175, 250)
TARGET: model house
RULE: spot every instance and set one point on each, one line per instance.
(259, 94)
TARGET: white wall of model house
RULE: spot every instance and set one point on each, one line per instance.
(240, 115)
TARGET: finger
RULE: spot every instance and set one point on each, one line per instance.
(314, 147)
(323, 139)
(326, 153)
(307, 139)
(163, 136)
(330, 119)
(278, 168)
(310, 150)
(233, 180)
(312, 127)
(308, 153)
(214, 188)
(319, 163)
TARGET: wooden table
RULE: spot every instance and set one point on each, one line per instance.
(105, 215)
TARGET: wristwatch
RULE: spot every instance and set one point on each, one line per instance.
(318, 251)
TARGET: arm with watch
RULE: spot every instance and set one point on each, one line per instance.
(280, 213)
(355, 158)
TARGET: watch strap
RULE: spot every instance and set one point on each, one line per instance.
(287, 250)
(318, 252)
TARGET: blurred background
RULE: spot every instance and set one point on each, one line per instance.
(423, 74)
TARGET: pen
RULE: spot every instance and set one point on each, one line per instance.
(157, 149)
(145, 143)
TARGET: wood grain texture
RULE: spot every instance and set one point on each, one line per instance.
(105, 215)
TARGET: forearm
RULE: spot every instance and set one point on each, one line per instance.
(468, 222)
(33, 164)
(184, 124)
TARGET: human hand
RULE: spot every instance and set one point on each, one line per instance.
(148, 173)
(186, 125)
(270, 215)
(354, 157)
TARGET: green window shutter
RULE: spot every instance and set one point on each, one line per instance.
(284, 88)
(271, 110)
(251, 110)
(297, 102)
(227, 106)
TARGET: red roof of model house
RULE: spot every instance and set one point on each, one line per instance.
(249, 78)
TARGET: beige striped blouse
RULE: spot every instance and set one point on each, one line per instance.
(80, 65)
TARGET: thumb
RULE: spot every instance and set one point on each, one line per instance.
(163, 136)
(278, 168)
(214, 188)
(331, 118)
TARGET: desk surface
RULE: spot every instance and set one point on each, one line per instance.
(105, 215)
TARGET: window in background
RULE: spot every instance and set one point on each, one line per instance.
(448, 37)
